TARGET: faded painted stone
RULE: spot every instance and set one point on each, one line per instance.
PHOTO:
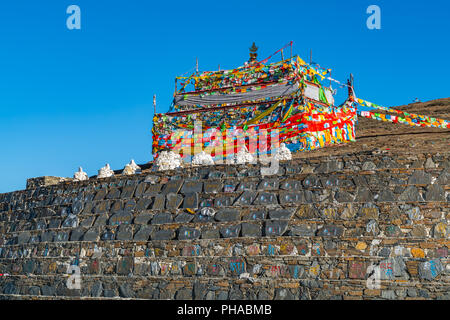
(275, 228)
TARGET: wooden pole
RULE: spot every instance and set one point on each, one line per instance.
(282, 56)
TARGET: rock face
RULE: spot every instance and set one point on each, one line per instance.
(226, 232)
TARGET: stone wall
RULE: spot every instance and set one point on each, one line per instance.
(314, 231)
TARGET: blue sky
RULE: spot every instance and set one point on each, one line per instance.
(72, 98)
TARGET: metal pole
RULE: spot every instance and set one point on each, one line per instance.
(154, 103)
(282, 56)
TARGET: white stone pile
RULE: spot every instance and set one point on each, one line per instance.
(168, 160)
(131, 168)
(105, 172)
(80, 175)
(283, 153)
(243, 156)
(202, 159)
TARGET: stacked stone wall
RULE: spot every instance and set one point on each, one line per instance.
(316, 230)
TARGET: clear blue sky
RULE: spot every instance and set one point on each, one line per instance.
(84, 97)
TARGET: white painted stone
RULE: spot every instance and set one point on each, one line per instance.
(168, 160)
(105, 172)
(80, 175)
(202, 159)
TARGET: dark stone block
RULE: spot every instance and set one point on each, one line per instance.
(435, 193)
(192, 187)
(265, 198)
(360, 181)
(124, 232)
(190, 201)
(343, 196)
(144, 233)
(142, 218)
(280, 214)
(230, 186)
(213, 186)
(215, 175)
(186, 233)
(246, 198)
(172, 186)
(109, 293)
(386, 195)
(311, 182)
(126, 291)
(291, 197)
(227, 215)
(127, 192)
(140, 189)
(158, 203)
(143, 204)
(183, 294)
(77, 207)
(363, 194)
(54, 223)
(291, 185)
(61, 237)
(96, 289)
(101, 220)
(256, 215)
(29, 266)
(246, 186)
(268, 185)
(113, 193)
(303, 230)
(429, 270)
(330, 231)
(129, 206)
(125, 266)
(86, 222)
(163, 235)
(48, 291)
(223, 201)
(410, 194)
(173, 200)
(230, 231)
(23, 237)
(120, 218)
(420, 177)
(251, 230)
(48, 236)
(329, 182)
(101, 194)
(102, 207)
(284, 294)
(184, 217)
(76, 234)
(70, 222)
(162, 218)
(210, 233)
(444, 178)
(91, 235)
(152, 190)
(275, 228)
